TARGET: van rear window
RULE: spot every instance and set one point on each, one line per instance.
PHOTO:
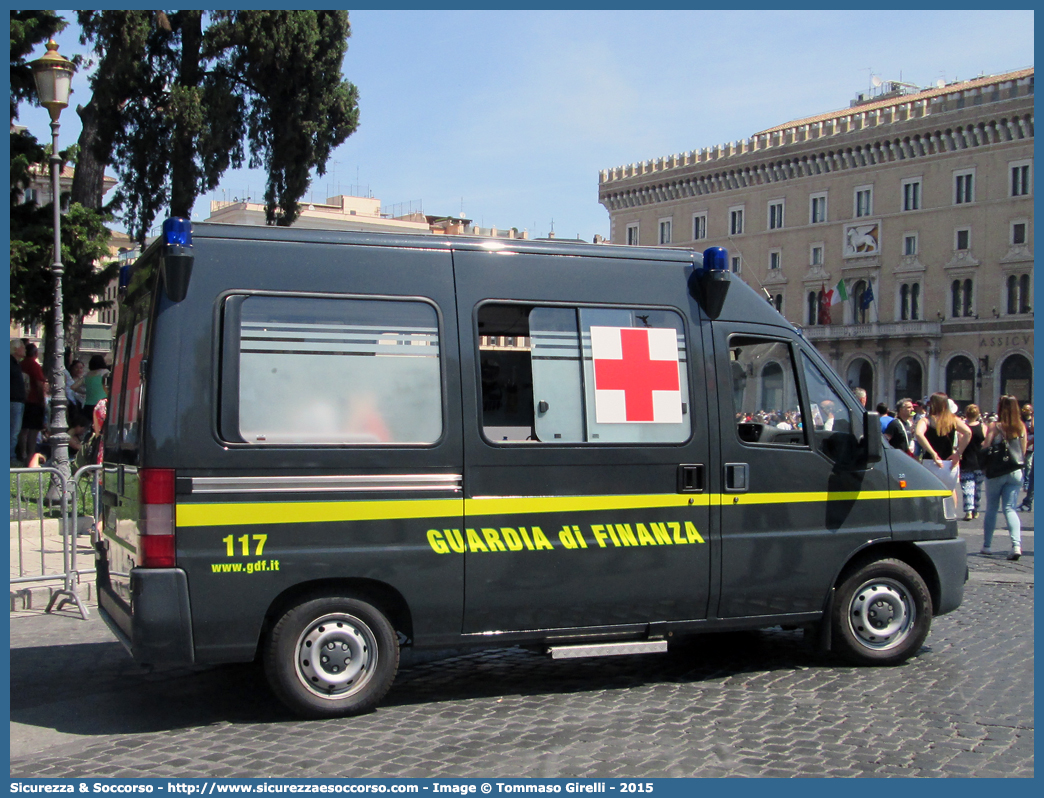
(316, 370)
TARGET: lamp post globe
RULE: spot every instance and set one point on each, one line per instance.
(53, 74)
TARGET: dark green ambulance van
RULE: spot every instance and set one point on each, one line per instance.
(323, 446)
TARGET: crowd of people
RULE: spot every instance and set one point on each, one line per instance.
(956, 443)
(953, 442)
(86, 390)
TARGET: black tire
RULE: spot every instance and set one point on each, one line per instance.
(882, 614)
(357, 664)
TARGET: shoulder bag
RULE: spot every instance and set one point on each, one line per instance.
(998, 460)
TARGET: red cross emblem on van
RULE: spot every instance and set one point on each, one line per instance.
(636, 375)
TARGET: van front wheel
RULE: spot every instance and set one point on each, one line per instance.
(882, 614)
(331, 656)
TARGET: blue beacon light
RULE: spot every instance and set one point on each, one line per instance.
(177, 231)
(177, 258)
(716, 259)
(709, 283)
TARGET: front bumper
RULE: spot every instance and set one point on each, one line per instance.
(950, 558)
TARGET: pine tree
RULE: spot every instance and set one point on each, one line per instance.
(214, 90)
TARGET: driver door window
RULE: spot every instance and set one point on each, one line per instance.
(765, 394)
(831, 418)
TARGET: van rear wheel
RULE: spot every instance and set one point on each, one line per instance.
(332, 656)
(882, 614)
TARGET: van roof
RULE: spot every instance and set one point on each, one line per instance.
(438, 242)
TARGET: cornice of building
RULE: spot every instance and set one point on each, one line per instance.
(970, 87)
(906, 127)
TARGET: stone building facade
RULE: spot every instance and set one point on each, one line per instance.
(897, 233)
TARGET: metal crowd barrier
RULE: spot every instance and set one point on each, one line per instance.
(46, 516)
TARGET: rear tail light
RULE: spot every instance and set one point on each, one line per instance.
(156, 528)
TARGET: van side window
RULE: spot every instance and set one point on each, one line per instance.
(123, 420)
(583, 375)
(830, 414)
(765, 393)
(316, 370)
(116, 403)
(131, 404)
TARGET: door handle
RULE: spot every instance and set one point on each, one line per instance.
(737, 477)
(690, 478)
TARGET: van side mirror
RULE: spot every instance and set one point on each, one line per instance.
(872, 438)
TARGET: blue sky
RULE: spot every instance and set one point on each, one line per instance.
(510, 115)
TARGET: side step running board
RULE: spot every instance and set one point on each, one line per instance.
(607, 649)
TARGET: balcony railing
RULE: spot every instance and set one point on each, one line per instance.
(895, 329)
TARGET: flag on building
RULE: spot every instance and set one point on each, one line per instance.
(838, 293)
(824, 305)
(868, 297)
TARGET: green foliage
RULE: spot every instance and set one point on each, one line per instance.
(28, 498)
(266, 84)
(292, 124)
(84, 242)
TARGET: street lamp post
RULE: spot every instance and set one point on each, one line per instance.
(53, 75)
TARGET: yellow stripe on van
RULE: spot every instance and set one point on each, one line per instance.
(511, 505)
(265, 513)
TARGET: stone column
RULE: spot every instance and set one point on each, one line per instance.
(884, 374)
(933, 370)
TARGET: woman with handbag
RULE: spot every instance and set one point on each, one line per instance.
(1006, 439)
(943, 438)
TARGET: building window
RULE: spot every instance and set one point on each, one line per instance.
(817, 255)
(665, 231)
(1017, 377)
(775, 213)
(777, 302)
(818, 307)
(910, 302)
(737, 264)
(963, 240)
(960, 381)
(774, 259)
(1020, 179)
(912, 194)
(864, 201)
(699, 226)
(31, 195)
(964, 187)
(861, 302)
(909, 380)
(735, 221)
(817, 211)
(910, 245)
(1018, 294)
(961, 298)
(1018, 233)
(632, 235)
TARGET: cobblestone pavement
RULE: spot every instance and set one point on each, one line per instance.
(750, 704)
